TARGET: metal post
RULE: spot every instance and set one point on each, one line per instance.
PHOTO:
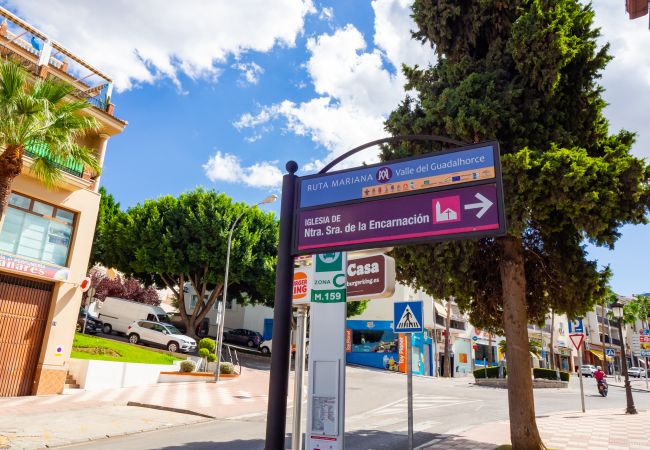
(89, 296)
(646, 373)
(223, 300)
(409, 388)
(435, 340)
(276, 417)
(630, 409)
(301, 330)
(582, 390)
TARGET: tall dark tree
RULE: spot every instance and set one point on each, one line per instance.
(523, 72)
(182, 240)
(108, 208)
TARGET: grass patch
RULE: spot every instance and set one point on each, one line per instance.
(92, 347)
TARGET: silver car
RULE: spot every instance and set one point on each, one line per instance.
(161, 334)
(636, 372)
(587, 370)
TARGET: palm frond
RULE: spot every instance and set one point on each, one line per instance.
(12, 80)
(46, 170)
(51, 90)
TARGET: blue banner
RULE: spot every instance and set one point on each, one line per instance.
(380, 180)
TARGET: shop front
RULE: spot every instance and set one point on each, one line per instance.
(372, 343)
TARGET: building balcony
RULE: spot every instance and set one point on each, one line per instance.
(454, 324)
(45, 58)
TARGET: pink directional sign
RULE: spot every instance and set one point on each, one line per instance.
(473, 211)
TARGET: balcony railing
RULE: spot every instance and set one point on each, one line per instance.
(35, 50)
(71, 166)
(455, 324)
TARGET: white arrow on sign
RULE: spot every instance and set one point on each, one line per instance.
(484, 205)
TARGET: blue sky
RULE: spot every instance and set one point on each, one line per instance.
(223, 93)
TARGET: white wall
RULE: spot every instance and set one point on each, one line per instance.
(94, 374)
(249, 317)
(382, 308)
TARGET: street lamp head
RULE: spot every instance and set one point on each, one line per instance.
(617, 309)
(270, 199)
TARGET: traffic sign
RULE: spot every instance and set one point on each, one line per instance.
(85, 284)
(577, 339)
(329, 278)
(475, 338)
(575, 326)
(610, 352)
(448, 195)
(407, 317)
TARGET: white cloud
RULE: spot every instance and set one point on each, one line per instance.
(356, 88)
(227, 167)
(326, 14)
(250, 72)
(627, 77)
(144, 40)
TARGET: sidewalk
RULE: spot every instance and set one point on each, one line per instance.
(78, 416)
(635, 383)
(604, 429)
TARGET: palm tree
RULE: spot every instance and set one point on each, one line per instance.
(39, 113)
(534, 348)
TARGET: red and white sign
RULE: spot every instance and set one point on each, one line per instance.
(300, 287)
(85, 284)
(39, 269)
(348, 340)
(577, 339)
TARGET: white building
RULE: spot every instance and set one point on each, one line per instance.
(251, 317)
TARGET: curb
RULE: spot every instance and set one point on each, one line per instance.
(129, 433)
(169, 408)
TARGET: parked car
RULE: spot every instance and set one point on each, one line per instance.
(636, 372)
(93, 326)
(267, 346)
(241, 336)
(160, 334)
(117, 314)
(588, 370)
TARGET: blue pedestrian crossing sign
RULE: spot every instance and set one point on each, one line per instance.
(610, 352)
(408, 317)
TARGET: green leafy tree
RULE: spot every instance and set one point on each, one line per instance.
(523, 72)
(39, 112)
(356, 308)
(182, 240)
(637, 309)
(108, 208)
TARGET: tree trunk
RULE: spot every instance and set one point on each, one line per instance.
(11, 164)
(447, 338)
(523, 428)
(552, 339)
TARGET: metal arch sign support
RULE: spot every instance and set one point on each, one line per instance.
(407, 137)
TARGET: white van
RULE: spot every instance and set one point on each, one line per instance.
(117, 314)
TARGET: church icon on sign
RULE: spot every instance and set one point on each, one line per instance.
(446, 209)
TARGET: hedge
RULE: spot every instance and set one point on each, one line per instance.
(550, 374)
(492, 372)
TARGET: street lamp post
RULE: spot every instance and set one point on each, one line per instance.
(269, 199)
(617, 309)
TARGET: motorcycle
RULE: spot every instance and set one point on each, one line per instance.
(602, 388)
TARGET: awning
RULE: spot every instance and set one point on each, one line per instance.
(599, 355)
(440, 310)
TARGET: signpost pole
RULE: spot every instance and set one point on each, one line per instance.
(646, 373)
(582, 390)
(301, 328)
(409, 389)
(279, 380)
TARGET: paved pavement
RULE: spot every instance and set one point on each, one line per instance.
(375, 412)
(603, 429)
